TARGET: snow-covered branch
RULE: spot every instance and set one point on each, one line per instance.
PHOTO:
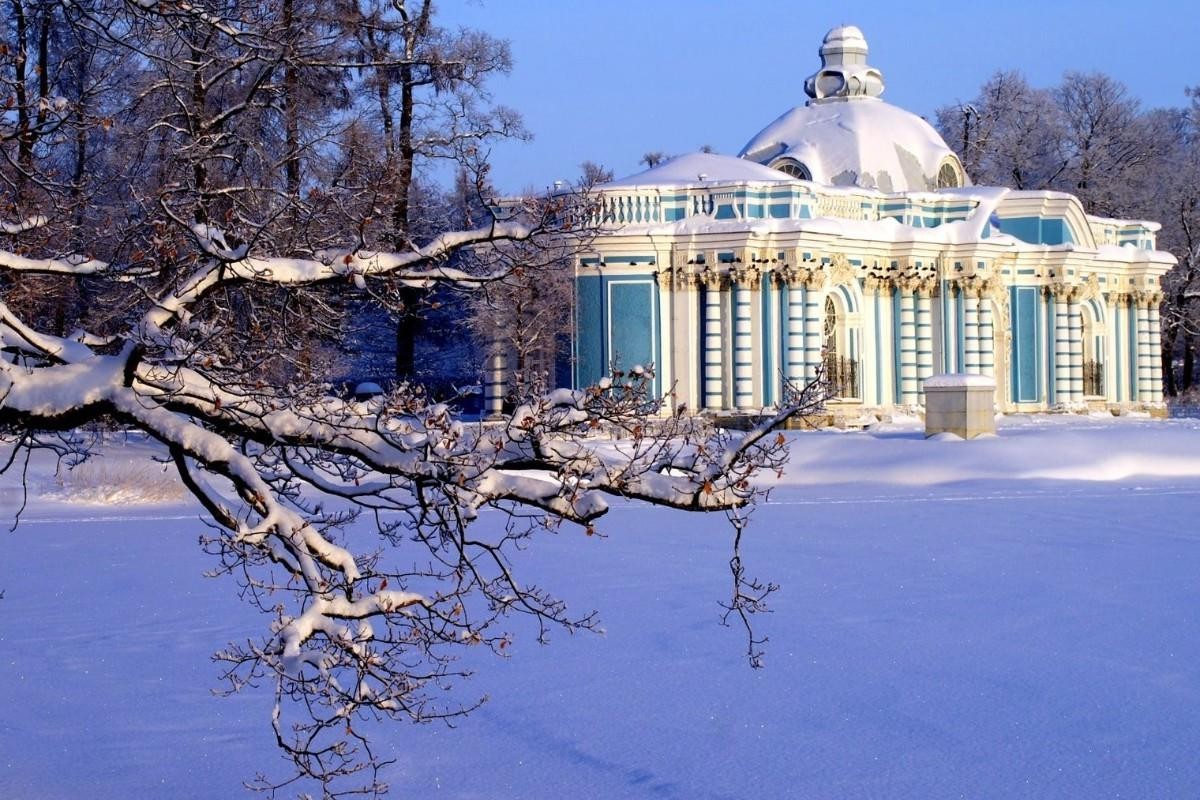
(201, 205)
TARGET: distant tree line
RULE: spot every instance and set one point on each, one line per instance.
(309, 123)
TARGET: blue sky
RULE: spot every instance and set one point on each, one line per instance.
(611, 80)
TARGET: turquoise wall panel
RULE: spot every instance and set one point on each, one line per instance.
(1038, 230)
(589, 330)
(1027, 229)
(1024, 344)
(767, 308)
(632, 306)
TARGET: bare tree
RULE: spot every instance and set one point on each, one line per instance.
(654, 158)
(593, 174)
(224, 222)
(1172, 187)
(526, 315)
(1009, 135)
(1107, 141)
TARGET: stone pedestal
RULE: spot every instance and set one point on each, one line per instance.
(960, 403)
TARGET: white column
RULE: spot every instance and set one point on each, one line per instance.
(793, 355)
(987, 339)
(1129, 342)
(714, 366)
(1156, 376)
(924, 332)
(970, 304)
(743, 343)
(1075, 332)
(1113, 382)
(908, 346)
(495, 385)
(887, 349)
(1145, 351)
(814, 314)
(1062, 349)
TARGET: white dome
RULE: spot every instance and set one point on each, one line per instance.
(856, 142)
(847, 136)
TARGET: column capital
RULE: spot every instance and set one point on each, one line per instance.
(977, 286)
(745, 276)
(875, 283)
(712, 279)
(1063, 293)
(1147, 298)
(790, 276)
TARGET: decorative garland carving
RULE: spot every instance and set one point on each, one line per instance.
(841, 271)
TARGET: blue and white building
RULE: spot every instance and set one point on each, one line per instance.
(846, 234)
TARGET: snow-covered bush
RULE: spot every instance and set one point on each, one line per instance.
(106, 481)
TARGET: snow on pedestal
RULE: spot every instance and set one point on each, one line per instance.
(960, 403)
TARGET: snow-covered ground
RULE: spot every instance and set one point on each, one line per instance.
(1010, 617)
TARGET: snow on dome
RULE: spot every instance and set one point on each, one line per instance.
(847, 136)
(699, 168)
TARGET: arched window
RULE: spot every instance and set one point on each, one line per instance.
(792, 167)
(841, 369)
(1093, 353)
(948, 176)
(831, 329)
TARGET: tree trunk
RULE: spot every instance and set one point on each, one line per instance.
(291, 118)
(20, 60)
(1166, 355)
(409, 325)
(1189, 363)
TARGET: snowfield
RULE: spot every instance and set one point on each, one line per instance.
(1016, 616)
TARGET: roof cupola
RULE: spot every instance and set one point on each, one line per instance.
(844, 71)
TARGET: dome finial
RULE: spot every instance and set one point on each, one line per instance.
(844, 72)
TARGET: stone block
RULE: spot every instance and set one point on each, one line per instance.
(962, 404)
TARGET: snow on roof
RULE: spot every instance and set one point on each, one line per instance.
(695, 168)
(859, 141)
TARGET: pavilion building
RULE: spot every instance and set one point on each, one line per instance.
(846, 237)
